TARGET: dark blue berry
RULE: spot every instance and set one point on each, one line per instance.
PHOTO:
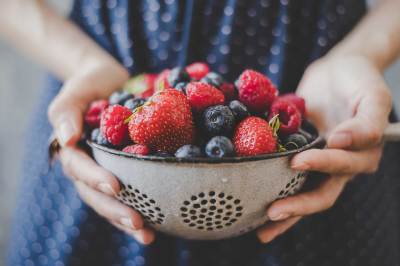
(101, 140)
(220, 146)
(218, 121)
(239, 110)
(132, 104)
(94, 134)
(213, 79)
(119, 97)
(177, 75)
(181, 86)
(188, 151)
(295, 141)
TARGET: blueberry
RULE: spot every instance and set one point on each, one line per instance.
(94, 134)
(239, 110)
(218, 120)
(119, 97)
(101, 140)
(220, 146)
(188, 151)
(213, 79)
(177, 75)
(181, 86)
(295, 141)
(132, 104)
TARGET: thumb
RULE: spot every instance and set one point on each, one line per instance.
(366, 128)
(66, 116)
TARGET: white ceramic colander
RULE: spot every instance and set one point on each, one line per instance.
(206, 198)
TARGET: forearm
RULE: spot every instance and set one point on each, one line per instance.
(377, 36)
(51, 39)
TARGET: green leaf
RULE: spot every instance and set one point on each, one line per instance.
(281, 148)
(136, 85)
(275, 124)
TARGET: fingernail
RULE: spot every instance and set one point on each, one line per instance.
(340, 140)
(300, 166)
(278, 216)
(65, 132)
(127, 222)
(107, 189)
(139, 237)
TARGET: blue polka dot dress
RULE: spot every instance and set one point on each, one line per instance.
(52, 226)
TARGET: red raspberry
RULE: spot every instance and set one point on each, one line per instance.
(229, 91)
(92, 116)
(296, 100)
(113, 124)
(289, 116)
(165, 123)
(254, 136)
(202, 95)
(197, 70)
(161, 82)
(137, 149)
(256, 91)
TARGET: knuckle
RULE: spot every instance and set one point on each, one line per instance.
(374, 134)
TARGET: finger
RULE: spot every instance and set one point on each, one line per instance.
(145, 236)
(365, 129)
(65, 114)
(337, 161)
(109, 207)
(307, 203)
(273, 229)
(79, 165)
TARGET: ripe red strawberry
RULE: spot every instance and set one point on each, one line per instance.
(137, 149)
(149, 80)
(256, 91)
(164, 123)
(197, 70)
(202, 95)
(161, 82)
(254, 136)
(229, 91)
(113, 124)
(92, 116)
(296, 100)
(289, 116)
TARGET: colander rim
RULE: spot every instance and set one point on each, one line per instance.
(318, 142)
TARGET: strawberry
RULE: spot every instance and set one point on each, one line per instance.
(254, 136)
(289, 116)
(202, 95)
(141, 85)
(256, 91)
(113, 124)
(137, 149)
(296, 100)
(93, 114)
(197, 70)
(164, 123)
(161, 82)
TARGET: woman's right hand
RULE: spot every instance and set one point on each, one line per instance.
(96, 186)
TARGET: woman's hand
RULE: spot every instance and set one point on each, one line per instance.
(96, 186)
(349, 102)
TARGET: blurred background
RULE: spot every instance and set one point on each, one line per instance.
(20, 82)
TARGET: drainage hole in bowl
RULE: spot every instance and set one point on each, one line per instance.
(292, 186)
(211, 211)
(142, 203)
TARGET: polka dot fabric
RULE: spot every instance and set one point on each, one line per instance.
(279, 38)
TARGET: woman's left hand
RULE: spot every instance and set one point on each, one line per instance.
(349, 102)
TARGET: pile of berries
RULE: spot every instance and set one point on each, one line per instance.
(192, 112)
